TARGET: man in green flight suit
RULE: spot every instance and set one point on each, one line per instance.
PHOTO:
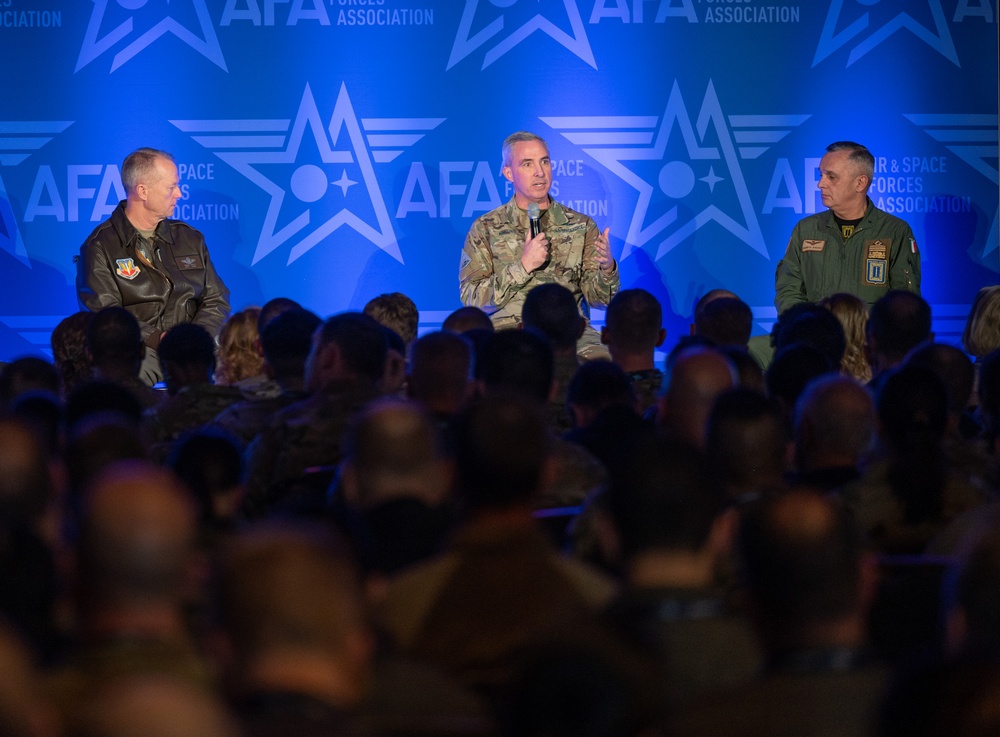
(852, 247)
(502, 261)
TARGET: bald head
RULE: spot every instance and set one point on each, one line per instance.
(137, 535)
(392, 452)
(834, 423)
(696, 379)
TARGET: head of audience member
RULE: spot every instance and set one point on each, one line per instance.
(135, 552)
(595, 387)
(694, 380)
(551, 310)
(501, 447)
(393, 379)
(286, 342)
(26, 482)
(749, 373)
(666, 508)
(898, 323)
(989, 395)
(982, 328)
(210, 462)
(25, 708)
(45, 414)
(746, 444)
(101, 397)
(812, 325)
(272, 308)
(467, 318)
(633, 329)
(154, 705)
(238, 356)
(395, 474)
(834, 425)
(725, 320)
(397, 312)
(440, 376)
(853, 316)
(955, 369)
(516, 361)
(27, 374)
(791, 370)
(808, 581)
(291, 612)
(350, 346)
(69, 350)
(974, 615)
(187, 356)
(115, 344)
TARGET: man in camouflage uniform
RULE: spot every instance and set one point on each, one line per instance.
(632, 333)
(292, 460)
(501, 262)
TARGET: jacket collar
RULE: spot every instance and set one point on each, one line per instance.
(518, 217)
(128, 233)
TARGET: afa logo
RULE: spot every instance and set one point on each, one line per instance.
(326, 163)
(973, 138)
(127, 27)
(18, 140)
(863, 25)
(498, 26)
(676, 161)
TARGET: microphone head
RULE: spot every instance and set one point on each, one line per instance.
(534, 211)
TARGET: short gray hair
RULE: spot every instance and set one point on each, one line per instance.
(860, 156)
(520, 136)
(139, 165)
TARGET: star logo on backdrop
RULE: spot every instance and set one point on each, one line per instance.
(18, 140)
(973, 139)
(864, 30)
(502, 30)
(700, 166)
(127, 27)
(304, 157)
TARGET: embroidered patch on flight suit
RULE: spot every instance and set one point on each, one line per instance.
(876, 263)
(189, 263)
(812, 246)
(126, 268)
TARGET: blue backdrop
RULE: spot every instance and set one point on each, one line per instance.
(333, 150)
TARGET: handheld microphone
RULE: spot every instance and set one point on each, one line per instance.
(534, 218)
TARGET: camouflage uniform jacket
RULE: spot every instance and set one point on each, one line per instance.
(294, 454)
(248, 417)
(190, 408)
(492, 277)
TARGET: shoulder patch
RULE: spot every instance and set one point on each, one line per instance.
(126, 268)
(189, 263)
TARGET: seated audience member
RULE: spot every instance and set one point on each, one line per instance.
(959, 375)
(154, 705)
(834, 433)
(446, 611)
(808, 587)
(520, 362)
(812, 325)
(397, 481)
(853, 316)
(748, 372)
(397, 312)
(135, 569)
(285, 343)
(633, 330)
(674, 538)
(393, 379)
(27, 374)
(694, 380)
(551, 311)
(904, 501)
(791, 371)
(210, 462)
(115, 344)
(292, 458)
(898, 323)
(973, 614)
(440, 378)
(69, 351)
(724, 319)
(25, 707)
(187, 359)
(982, 328)
(239, 360)
(467, 318)
(746, 444)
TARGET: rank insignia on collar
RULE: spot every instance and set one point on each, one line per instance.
(126, 268)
